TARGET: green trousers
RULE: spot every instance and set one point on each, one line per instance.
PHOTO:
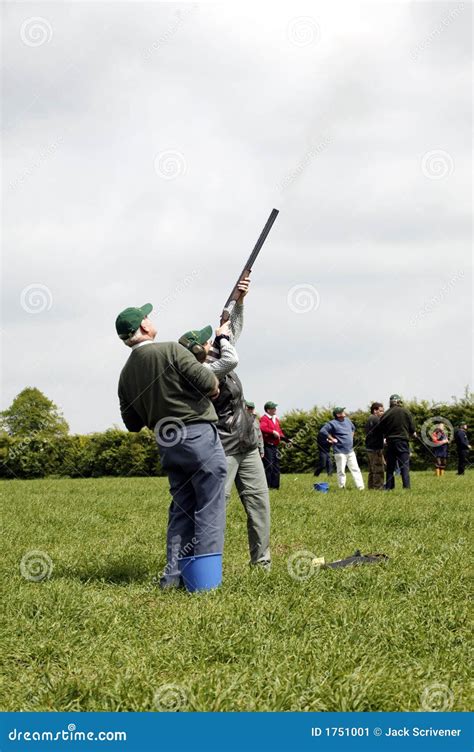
(249, 476)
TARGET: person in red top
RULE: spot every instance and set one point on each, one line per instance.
(272, 435)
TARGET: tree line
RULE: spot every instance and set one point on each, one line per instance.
(35, 441)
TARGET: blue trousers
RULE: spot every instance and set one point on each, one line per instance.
(398, 450)
(271, 465)
(196, 467)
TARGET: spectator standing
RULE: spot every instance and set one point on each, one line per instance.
(340, 433)
(272, 436)
(250, 407)
(440, 451)
(374, 447)
(462, 447)
(397, 427)
(324, 455)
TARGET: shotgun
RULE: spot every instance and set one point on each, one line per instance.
(235, 294)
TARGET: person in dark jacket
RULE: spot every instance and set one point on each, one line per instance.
(462, 447)
(440, 448)
(374, 447)
(397, 427)
(238, 431)
(324, 456)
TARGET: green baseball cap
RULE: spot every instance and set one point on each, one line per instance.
(128, 320)
(338, 410)
(395, 398)
(250, 404)
(271, 405)
(196, 337)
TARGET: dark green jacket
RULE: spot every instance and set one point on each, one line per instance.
(396, 423)
(164, 380)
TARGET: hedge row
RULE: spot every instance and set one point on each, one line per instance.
(119, 453)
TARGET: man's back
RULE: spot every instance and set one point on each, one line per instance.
(163, 380)
(396, 423)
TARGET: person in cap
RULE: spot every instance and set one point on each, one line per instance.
(250, 407)
(397, 427)
(163, 387)
(374, 447)
(272, 436)
(440, 441)
(340, 433)
(238, 433)
(324, 455)
(462, 447)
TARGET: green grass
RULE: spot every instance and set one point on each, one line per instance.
(99, 636)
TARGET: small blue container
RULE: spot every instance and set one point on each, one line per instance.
(201, 572)
(323, 487)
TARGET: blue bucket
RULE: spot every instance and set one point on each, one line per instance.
(201, 572)
(323, 487)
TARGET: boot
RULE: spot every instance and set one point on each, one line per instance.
(441, 472)
(437, 471)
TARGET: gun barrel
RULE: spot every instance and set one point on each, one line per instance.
(251, 259)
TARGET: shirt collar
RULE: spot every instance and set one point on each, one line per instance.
(140, 344)
(272, 417)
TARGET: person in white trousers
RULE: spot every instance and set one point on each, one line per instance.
(340, 433)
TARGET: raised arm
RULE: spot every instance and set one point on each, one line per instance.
(228, 361)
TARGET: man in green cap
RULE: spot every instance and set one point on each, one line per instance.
(162, 387)
(397, 427)
(272, 436)
(340, 433)
(238, 433)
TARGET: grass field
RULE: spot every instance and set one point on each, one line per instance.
(98, 635)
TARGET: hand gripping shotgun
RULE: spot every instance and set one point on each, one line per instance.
(235, 294)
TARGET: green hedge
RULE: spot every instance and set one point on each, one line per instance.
(119, 453)
(113, 452)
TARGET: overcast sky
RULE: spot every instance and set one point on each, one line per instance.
(144, 146)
